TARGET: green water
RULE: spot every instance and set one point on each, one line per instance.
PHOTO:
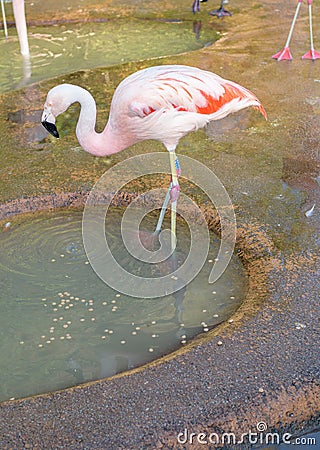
(60, 325)
(66, 48)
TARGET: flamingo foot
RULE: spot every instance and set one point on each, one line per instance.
(221, 12)
(311, 54)
(283, 54)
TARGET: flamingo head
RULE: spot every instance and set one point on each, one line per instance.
(58, 101)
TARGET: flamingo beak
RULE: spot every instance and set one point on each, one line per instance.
(48, 121)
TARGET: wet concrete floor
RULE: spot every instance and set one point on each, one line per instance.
(262, 367)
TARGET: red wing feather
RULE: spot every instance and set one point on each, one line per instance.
(231, 92)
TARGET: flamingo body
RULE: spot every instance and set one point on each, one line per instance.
(163, 103)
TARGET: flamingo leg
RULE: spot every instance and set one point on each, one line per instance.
(174, 194)
(285, 52)
(196, 6)
(163, 210)
(20, 19)
(312, 53)
(169, 195)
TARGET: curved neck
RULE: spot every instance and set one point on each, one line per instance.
(98, 144)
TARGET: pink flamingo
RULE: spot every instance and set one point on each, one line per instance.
(163, 103)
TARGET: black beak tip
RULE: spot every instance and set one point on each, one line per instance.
(51, 128)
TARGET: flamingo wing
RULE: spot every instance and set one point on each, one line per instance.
(188, 89)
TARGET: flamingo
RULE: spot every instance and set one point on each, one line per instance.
(163, 103)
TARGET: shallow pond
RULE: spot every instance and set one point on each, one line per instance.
(61, 325)
(66, 48)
